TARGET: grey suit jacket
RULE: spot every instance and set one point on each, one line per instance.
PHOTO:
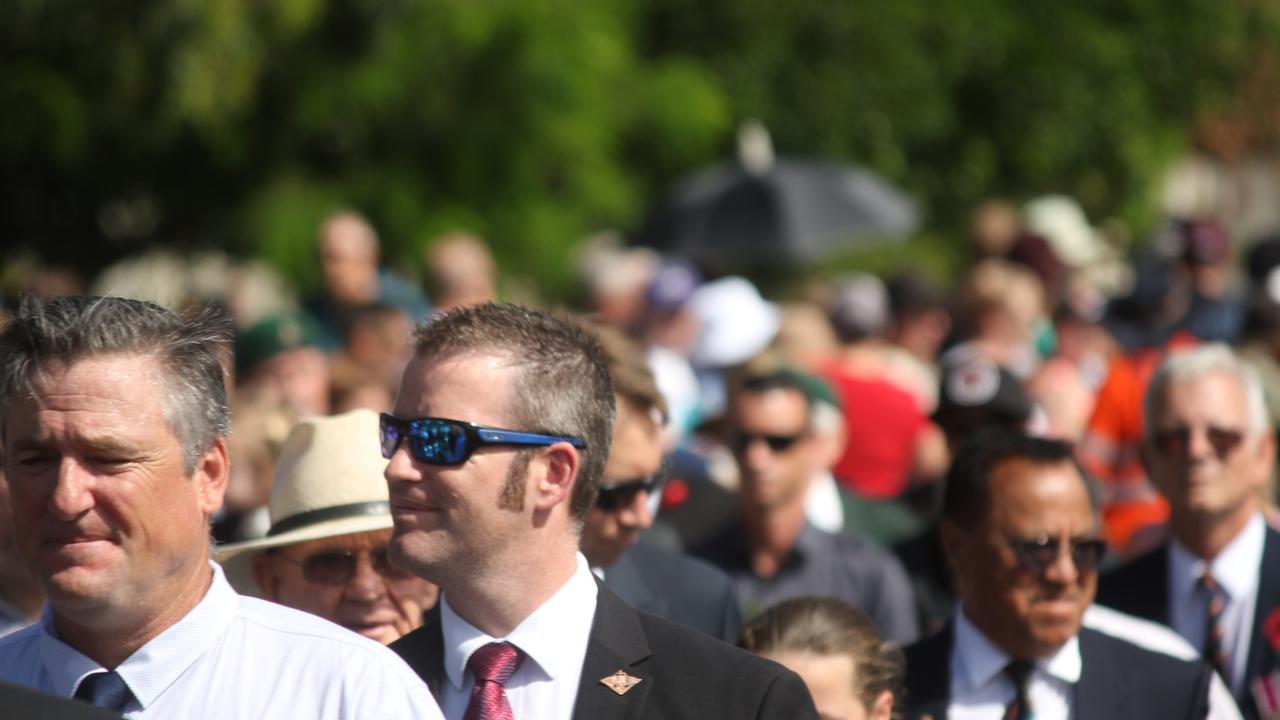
(682, 589)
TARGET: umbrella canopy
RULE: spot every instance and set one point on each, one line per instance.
(793, 212)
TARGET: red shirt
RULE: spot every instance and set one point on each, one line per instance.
(882, 421)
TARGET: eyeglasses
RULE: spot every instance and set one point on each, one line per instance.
(437, 441)
(740, 441)
(1038, 555)
(622, 493)
(1176, 442)
(337, 567)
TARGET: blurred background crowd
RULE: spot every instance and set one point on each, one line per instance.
(931, 218)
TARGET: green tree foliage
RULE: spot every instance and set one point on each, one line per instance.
(532, 122)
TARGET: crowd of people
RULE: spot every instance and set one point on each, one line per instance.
(887, 498)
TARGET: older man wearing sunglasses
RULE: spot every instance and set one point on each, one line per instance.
(1210, 450)
(326, 551)
(1020, 530)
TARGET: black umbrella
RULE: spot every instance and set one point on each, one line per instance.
(763, 212)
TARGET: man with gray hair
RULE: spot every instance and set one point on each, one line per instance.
(1209, 450)
(114, 427)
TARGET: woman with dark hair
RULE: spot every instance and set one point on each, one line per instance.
(851, 673)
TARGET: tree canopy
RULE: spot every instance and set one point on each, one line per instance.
(240, 124)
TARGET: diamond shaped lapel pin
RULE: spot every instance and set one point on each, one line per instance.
(620, 682)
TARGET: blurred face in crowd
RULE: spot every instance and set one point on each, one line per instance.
(1038, 510)
(348, 580)
(300, 377)
(1203, 454)
(622, 513)
(349, 256)
(774, 446)
(449, 519)
(105, 514)
(832, 681)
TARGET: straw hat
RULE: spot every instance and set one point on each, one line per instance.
(328, 482)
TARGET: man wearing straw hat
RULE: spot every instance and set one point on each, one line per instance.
(113, 415)
(326, 552)
(497, 443)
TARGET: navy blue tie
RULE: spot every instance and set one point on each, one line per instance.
(106, 690)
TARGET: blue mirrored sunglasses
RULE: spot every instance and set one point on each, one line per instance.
(438, 441)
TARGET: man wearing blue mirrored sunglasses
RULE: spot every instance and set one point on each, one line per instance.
(496, 445)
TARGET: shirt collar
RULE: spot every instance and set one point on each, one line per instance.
(980, 661)
(151, 669)
(1235, 568)
(541, 636)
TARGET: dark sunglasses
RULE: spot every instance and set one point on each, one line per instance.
(1038, 555)
(622, 493)
(437, 441)
(337, 567)
(740, 441)
(1176, 442)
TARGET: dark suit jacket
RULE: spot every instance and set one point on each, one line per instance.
(684, 673)
(682, 589)
(1141, 588)
(1118, 681)
(20, 702)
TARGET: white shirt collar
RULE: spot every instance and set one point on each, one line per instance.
(154, 666)
(979, 661)
(1235, 568)
(541, 636)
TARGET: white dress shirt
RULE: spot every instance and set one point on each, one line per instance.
(553, 639)
(980, 690)
(235, 657)
(1236, 571)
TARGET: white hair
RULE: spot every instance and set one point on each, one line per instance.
(1195, 363)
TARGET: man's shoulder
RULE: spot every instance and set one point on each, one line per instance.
(694, 669)
(19, 654)
(266, 625)
(677, 569)
(1109, 662)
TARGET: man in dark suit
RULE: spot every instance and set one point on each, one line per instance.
(1020, 532)
(500, 435)
(659, 581)
(1209, 449)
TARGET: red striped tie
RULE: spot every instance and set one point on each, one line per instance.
(492, 666)
(1215, 647)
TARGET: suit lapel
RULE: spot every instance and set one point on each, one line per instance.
(625, 580)
(1101, 692)
(423, 650)
(617, 642)
(929, 676)
(1262, 655)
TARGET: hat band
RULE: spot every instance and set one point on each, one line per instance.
(338, 512)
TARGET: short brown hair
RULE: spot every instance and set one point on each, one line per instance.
(629, 368)
(561, 384)
(826, 626)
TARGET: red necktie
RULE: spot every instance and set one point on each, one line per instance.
(492, 666)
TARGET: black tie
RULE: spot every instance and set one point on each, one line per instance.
(1019, 672)
(106, 690)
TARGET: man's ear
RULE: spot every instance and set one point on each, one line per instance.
(210, 477)
(882, 708)
(264, 574)
(560, 465)
(1264, 458)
